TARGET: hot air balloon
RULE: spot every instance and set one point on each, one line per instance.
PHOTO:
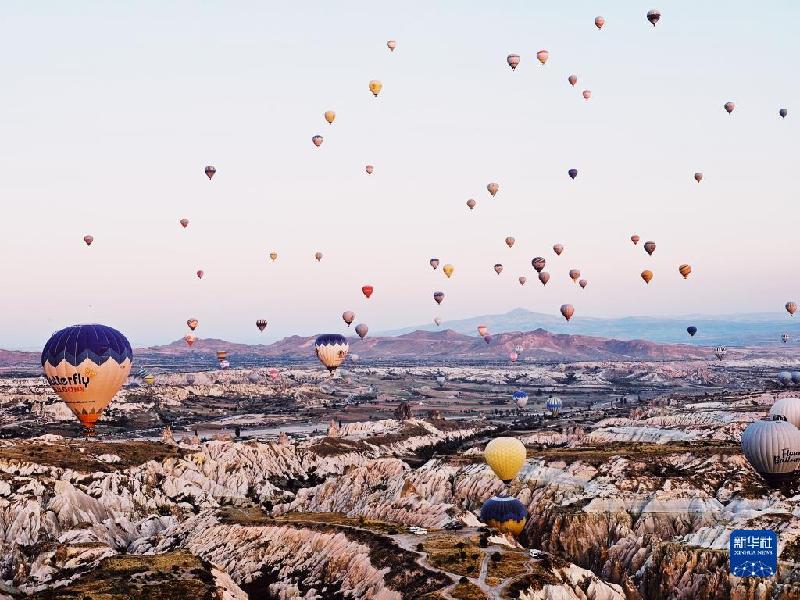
(586, 94)
(789, 409)
(650, 247)
(567, 310)
(505, 514)
(317, 140)
(348, 316)
(391, 44)
(785, 378)
(698, 177)
(720, 352)
(647, 275)
(330, 116)
(772, 447)
(375, 87)
(437, 320)
(685, 270)
(558, 249)
(86, 365)
(192, 323)
(261, 324)
(510, 241)
(599, 22)
(448, 270)
(553, 405)
(438, 296)
(523, 280)
(184, 223)
(88, 239)
(498, 268)
(210, 170)
(544, 277)
(222, 355)
(369, 169)
(513, 356)
(224, 365)
(691, 330)
(471, 203)
(573, 79)
(273, 256)
(635, 239)
(190, 378)
(538, 263)
(513, 61)
(574, 274)
(653, 16)
(331, 350)
(274, 374)
(434, 262)
(542, 56)
(573, 173)
(482, 330)
(367, 290)
(505, 456)
(785, 338)
(318, 256)
(200, 274)
(149, 379)
(189, 339)
(783, 112)
(791, 307)
(583, 283)
(729, 106)
(520, 398)
(254, 377)
(361, 330)
(493, 188)
(519, 348)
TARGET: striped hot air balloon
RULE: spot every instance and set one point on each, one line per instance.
(331, 350)
(504, 513)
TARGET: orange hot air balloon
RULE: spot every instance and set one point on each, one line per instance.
(599, 22)
(791, 307)
(184, 223)
(318, 256)
(542, 56)
(544, 277)
(192, 323)
(391, 44)
(483, 330)
(647, 275)
(222, 354)
(348, 317)
(586, 94)
(498, 268)
(493, 188)
(88, 239)
(510, 241)
(583, 283)
(448, 270)
(523, 280)
(330, 116)
(200, 274)
(210, 170)
(273, 256)
(190, 339)
(635, 239)
(685, 270)
(471, 203)
(375, 87)
(573, 79)
(513, 61)
(558, 249)
(367, 290)
(574, 274)
(317, 140)
(650, 247)
(369, 169)
(567, 310)
(698, 177)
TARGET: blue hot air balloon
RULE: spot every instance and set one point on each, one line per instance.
(691, 330)
(553, 405)
(86, 365)
(331, 349)
(505, 514)
(521, 398)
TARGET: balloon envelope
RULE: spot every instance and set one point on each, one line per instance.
(471, 203)
(573, 173)
(505, 514)
(331, 349)
(448, 270)
(653, 16)
(361, 330)
(558, 249)
(553, 404)
(492, 188)
(791, 307)
(330, 116)
(375, 87)
(210, 170)
(348, 317)
(573, 79)
(184, 223)
(787, 408)
(544, 277)
(505, 456)
(691, 330)
(367, 290)
(434, 263)
(513, 61)
(538, 264)
(772, 447)
(86, 365)
(261, 324)
(542, 56)
(192, 323)
(567, 310)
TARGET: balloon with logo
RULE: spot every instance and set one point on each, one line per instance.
(331, 350)
(772, 447)
(505, 456)
(86, 365)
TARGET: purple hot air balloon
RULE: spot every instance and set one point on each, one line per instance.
(573, 173)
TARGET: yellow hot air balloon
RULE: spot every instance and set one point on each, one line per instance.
(505, 455)
(149, 379)
(448, 270)
(330, 116)
(685, 270)
(647, 275)
(273, 256)
(375, 87)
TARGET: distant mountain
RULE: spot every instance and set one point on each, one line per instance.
(754, 329)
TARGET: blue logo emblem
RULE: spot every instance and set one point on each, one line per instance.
(754, 553)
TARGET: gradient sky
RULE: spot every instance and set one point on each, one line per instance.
(110, 111)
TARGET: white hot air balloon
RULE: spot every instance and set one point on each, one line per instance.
(789, 409)
(772, 446)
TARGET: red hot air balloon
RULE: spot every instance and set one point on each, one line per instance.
(189, 339)
(210, 170)
(192, 323)
(599, 22)
(200, 274)
(635, 239)
(367, 290)
(184, 223)
(88, 239)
